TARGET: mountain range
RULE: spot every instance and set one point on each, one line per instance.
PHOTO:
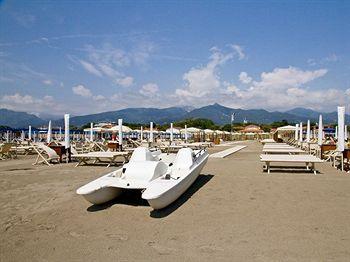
(217, 113)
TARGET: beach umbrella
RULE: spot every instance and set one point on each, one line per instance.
(60, 132)
(66, 131)
(208, 131)
(120, 135)
(186, 135)
(345, 132)
(341, 118)
(151, 132)
(34, 136)
(22, 135)
(301, 132)
(91, 132)
(296, 132)
(336, 132)
(141, 133)
(7, 136)
(171, 132)
(320, 131)
(30, 132)
(49, 132)
(308, 131)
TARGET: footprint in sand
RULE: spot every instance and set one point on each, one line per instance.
(162, 250)
(120, 237)
(209, 249)
(75, 234)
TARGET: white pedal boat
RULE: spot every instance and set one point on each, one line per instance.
(187, 166)
(161, 177)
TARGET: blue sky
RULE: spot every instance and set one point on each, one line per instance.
(85, 57)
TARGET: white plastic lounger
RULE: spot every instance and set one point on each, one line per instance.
(46, 154)
(307, 159)
(289, 151)
(99, 155)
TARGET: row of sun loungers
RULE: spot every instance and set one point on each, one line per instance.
(283, 153)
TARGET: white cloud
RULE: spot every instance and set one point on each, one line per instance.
(98, 98)
(239, 51)
(244, 78)
(149, 89)
(347, 91)
(81, 91)
(29, 103)
(90, 68)
(110, 62)
(47, 82)
(202, 80)
(125, 81)
(287, 77)
(284, 88)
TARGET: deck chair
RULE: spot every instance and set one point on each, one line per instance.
(5, 151)
(45, 155)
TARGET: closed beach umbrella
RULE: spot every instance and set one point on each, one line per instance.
(22, 135)
(171, 132)
(91, 132)
(320, 131)
(308, 131)
(7, 136)
(336, 132)
(345, 132)
(151, 132)
(301, 132)
(49, 133)
(30, 132)
(296, 132)
(66, 131)
(341, 118)
(60, 132)
(120, 126)
(141, 133)
(186, 135)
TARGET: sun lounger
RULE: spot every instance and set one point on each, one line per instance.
(5, 151)
(99, 156)
(289, 151)
(306, 159)
(46, 155)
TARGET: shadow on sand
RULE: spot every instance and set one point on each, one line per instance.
(133, 198)
(128, 197)
(200, 182)
(291, 169)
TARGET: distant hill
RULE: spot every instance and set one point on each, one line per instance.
(18, 119)
(217, 113)
(313, 115)
(132, 115)
(222, 115)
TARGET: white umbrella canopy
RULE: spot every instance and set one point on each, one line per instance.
(286, 128)
(125, 129)
(96, 129)
(208, 131)
(193, 130)
(345, 132)
(219, 132)
(308, 131)
(301, 132)
(341, 129)
(175, 131)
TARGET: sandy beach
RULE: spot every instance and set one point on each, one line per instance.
(233, 212)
